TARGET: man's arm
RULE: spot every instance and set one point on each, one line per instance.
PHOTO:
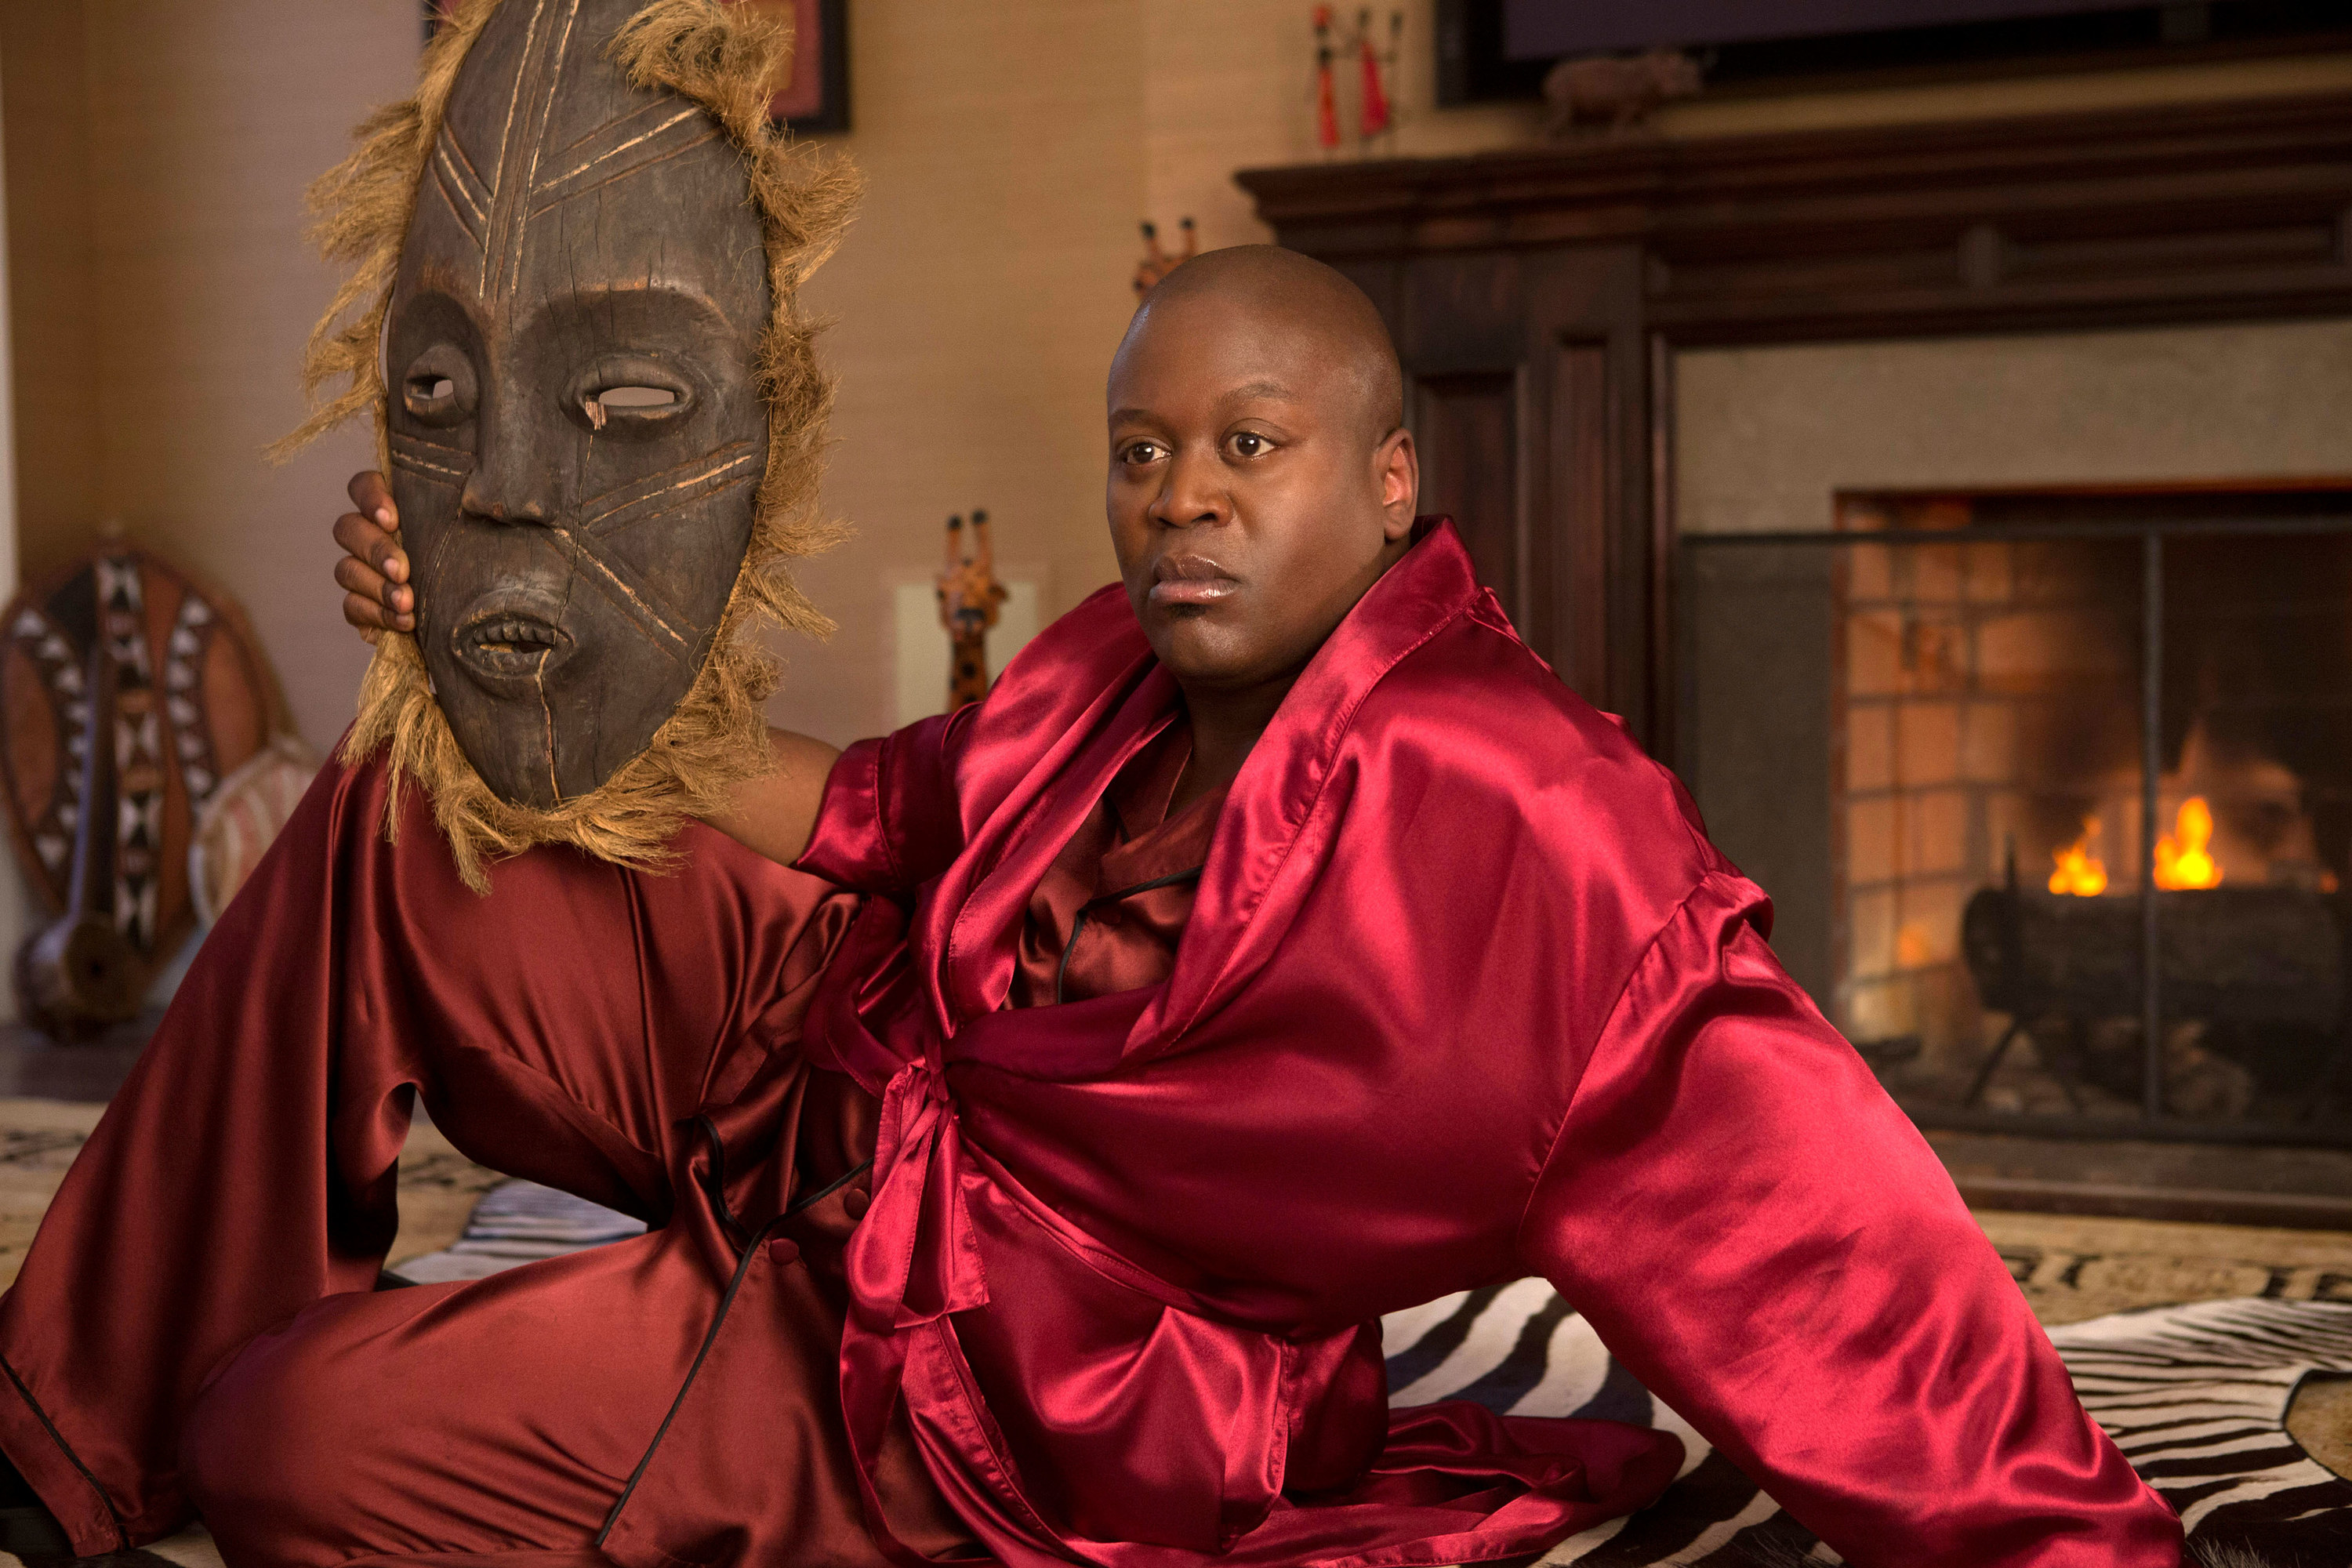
(772, 815)
(1761, 1237)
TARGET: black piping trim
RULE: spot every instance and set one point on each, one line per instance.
(718, 1319)
(1078, 923)
(717, 1186)
(121, 1535)
(831, 1187)
(718, 1182)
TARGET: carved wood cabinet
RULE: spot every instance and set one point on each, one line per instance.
(1538, 298)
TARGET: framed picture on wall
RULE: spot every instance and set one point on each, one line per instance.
(815, 97)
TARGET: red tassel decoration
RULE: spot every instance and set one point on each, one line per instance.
(1326, 99)
(1374, 112)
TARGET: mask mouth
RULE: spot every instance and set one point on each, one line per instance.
(511, 646)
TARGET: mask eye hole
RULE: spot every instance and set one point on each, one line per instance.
(631, 404)
(438, 389)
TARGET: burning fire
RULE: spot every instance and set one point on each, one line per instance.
(2185, 859)
(2080, 872)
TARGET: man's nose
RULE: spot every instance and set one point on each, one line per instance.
(513, 479)
(1193, 494)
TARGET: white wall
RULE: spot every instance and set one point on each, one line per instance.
(1766, 438)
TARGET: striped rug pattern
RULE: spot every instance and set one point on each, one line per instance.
(2195, 1396)
(517, 1223)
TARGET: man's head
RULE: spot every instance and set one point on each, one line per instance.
(574, 313)
(1261, 478)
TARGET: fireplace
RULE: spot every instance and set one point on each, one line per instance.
(2054, 790)
(1697, 401)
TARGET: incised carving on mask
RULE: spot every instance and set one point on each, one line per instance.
(580, 249)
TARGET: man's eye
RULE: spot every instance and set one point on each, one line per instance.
(1143, 452)
(1249, 443)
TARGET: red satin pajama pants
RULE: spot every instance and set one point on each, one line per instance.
(196, 1328)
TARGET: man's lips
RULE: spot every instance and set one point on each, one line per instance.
(1191, 580)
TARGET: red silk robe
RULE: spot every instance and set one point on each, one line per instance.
(1466, 994)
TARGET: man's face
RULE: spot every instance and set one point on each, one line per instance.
(576, 426)
(1252, 498)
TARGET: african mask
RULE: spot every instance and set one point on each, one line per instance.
(576, 429)
(601, 410)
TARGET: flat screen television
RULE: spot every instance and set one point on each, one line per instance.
(1492, 50)
(1547, 30)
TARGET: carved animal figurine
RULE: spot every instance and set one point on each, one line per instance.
(970, 601)
(1615, 92)
(1158, 263)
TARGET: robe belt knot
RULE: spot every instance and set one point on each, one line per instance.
(915, 1257)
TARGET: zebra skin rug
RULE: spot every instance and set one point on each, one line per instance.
(2195, 1396)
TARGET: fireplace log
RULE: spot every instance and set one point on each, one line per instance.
(2249, 955)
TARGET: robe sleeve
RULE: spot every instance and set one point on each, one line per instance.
(1763, 1238)
(889, 820)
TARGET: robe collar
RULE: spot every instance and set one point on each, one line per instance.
(968, 929)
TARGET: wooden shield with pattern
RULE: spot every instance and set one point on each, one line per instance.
(127, 691)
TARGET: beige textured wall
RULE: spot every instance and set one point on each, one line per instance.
(1766, 438)
(975, 303)
(208, 120)
(157, 150)
(44, 87)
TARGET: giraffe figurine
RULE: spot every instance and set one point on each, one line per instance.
(969, 600)
(1159, 263)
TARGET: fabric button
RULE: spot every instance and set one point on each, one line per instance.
(783, 1251)
(856, 1201)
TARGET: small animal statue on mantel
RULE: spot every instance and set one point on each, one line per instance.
(1159, 263)
(1615, 93)
(971, 598)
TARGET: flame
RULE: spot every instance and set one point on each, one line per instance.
(2183, 859)
(2079, 872)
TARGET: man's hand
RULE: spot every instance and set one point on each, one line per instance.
(373, 571)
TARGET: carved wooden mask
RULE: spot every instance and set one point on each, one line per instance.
(576, 425)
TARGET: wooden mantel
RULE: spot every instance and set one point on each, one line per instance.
(1537, 296)
(2201, 212)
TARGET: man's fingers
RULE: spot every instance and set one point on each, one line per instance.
(364, 540)
(371, 617)
(356, 610)
(374, 497)
(387, 606)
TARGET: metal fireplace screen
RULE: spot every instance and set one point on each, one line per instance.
(2053, 796)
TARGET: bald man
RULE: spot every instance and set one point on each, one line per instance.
(1279, 946)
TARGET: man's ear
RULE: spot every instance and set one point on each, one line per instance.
(1398, 466)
